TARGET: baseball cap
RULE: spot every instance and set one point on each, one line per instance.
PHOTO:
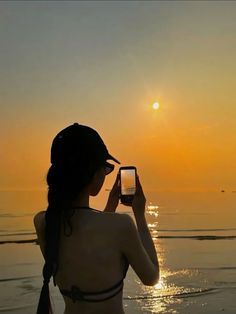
(79, 143)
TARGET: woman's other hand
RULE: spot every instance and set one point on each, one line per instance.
(113, 199)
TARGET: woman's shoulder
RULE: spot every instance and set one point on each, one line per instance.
(118, 220)
(39, 220)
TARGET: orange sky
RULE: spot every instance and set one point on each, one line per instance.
(103, 64)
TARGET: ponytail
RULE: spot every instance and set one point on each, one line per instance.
(52, 237)
(63, 188)
(44, 305)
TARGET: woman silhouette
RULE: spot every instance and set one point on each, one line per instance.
(86, 251)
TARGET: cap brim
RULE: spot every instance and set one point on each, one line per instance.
(113, 158)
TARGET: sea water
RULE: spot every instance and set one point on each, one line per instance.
(194, 234)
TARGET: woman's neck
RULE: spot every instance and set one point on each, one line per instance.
(82, 200)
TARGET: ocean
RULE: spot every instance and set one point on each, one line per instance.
(194, 234)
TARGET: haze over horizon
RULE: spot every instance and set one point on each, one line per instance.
(104, 64)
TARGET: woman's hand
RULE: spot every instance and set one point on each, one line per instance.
(113, 199)
(139, 201)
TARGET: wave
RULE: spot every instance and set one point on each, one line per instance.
(5, 233)
(195, 293)
(16, 234)
(17, 278)
(195, 237)
(141, 297)
(198, 237)
(19, 241)
(213, 268)
(7, 215)
(196, 230)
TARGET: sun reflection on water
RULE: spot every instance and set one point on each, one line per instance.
(160, 296)
(160, 284)
(152, 210)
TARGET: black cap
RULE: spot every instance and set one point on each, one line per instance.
(79, 143)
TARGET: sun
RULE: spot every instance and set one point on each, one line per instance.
(155, 105)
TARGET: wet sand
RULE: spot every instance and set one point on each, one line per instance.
(182, 289)
(195, 238)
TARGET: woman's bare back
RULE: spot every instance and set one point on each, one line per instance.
(91, 259)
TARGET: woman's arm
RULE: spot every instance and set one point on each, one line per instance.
(139, 251)
(146, 238)
(138, 207)
(137, 242)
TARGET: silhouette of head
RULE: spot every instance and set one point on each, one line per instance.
(79, 151)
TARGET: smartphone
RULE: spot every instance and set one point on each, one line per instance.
(127, 184)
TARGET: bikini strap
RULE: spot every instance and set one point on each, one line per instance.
(76, 294)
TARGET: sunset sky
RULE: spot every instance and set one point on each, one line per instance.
(103, 64)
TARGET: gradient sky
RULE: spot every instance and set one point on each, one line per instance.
(103, 64)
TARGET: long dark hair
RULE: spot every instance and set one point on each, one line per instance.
(64, 181)
(76, 153)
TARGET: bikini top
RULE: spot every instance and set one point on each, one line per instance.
(75, 294)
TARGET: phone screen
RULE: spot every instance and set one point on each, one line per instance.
(128, 186)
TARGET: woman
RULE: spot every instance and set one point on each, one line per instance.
(88, 252)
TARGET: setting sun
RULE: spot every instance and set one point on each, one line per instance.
(155, 105)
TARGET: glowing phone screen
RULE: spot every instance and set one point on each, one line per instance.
(128, 186)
